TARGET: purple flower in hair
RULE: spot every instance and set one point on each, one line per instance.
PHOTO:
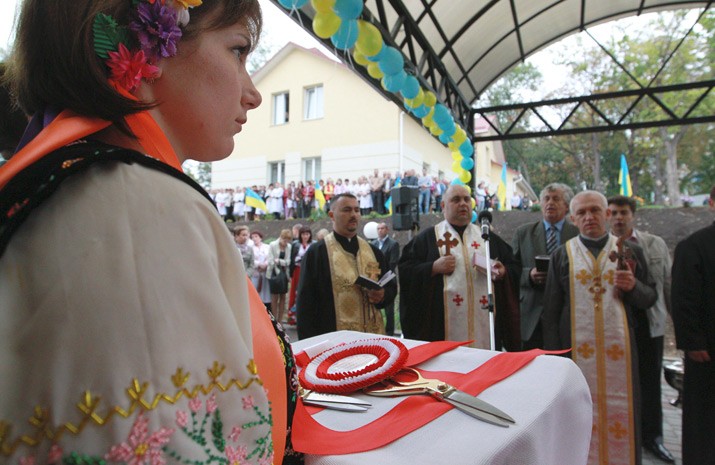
(157, 30)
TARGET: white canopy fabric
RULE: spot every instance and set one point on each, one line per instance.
(460, 47)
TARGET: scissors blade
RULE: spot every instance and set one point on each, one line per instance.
(334, 398)
(336, 406)
(462, 398)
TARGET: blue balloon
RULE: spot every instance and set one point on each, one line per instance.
(444, 138)
(474, 216)
(457, 181)
(411, 87)
(391, 61)
(348, 9)
(448, 128)
(394, 82)
(420, 111)
(378, 56)
(290, 4)
(441, 115)
(346, 36)
(466, 149)
(467, 164)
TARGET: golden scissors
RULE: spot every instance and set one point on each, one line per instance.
(444, 392)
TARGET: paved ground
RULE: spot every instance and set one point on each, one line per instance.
(672, 419)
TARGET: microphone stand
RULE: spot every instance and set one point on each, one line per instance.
(490, 289)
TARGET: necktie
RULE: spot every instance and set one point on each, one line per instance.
(551, 242)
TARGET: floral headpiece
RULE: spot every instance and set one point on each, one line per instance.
(152, 34)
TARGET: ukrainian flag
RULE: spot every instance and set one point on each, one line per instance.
(388, 202)
(624, 179)
(501, 190)
(320, 198)
(254, 200)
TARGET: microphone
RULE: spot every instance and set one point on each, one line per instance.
(485, 219)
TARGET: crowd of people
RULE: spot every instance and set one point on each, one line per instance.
(299, 200)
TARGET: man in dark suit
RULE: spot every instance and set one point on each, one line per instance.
(391, 250)
(530, 241)
(693, 307)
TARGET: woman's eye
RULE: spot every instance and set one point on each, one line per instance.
(241, 52)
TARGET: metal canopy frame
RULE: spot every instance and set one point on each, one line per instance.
(457, 48)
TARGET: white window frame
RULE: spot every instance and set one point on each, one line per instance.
(281, 108)
(312, 168)
(313, 102)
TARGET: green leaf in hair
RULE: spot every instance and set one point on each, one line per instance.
(107, 35)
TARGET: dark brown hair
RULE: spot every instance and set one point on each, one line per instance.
(53, 60)
(622, 201)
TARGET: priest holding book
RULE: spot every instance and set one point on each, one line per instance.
(443, 294)
(328, 297)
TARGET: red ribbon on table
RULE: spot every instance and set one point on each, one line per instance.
(310, 437)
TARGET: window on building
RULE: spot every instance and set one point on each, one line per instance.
(280, 108)
(311, 169)
(277, 172)
(313, 102)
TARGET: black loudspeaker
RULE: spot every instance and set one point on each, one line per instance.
(403, 195)
(405, 211)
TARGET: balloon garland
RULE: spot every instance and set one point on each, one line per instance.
(338, 21)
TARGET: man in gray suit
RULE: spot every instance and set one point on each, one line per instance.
(650, 325)
(391, 250)
(530, 241)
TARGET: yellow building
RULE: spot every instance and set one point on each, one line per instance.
(320, 120)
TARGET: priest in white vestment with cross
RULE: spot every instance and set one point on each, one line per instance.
(443, 296)
(594, 286)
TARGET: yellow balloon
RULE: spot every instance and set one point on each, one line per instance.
(465, 176)
(360, 58)
(373, 69)
(435, 130)
(427, 120)
(323, 6)
(369, 40)
(452, 146)
(474, 203)
(326, 24)
(469, 189)
(419, 99)
(430, 99)
(459, 136)
(457, 156)
(410, 103)
(456, 167)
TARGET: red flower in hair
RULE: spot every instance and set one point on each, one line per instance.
(127, 69)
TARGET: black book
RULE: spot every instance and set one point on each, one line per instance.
(368, 283)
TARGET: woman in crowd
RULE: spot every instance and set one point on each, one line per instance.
(308, 198)
(240, 236)
(364, 196)
(305, 238)
(275, 197)
(260, 266)
(299, 199)
(112, 293)
(290, 200)
(279, 253)
(239, 204)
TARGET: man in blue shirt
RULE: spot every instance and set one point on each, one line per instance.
(540, 238)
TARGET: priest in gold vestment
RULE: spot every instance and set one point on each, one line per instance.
(328, 298)
(593, 289)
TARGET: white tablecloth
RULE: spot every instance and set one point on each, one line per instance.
(548, 398)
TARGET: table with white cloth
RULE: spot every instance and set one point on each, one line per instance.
(548, 398)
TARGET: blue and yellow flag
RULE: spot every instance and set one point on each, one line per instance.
(254, 200)
(388, 202)
(320, 198)
(501, 190)
(624, 178)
